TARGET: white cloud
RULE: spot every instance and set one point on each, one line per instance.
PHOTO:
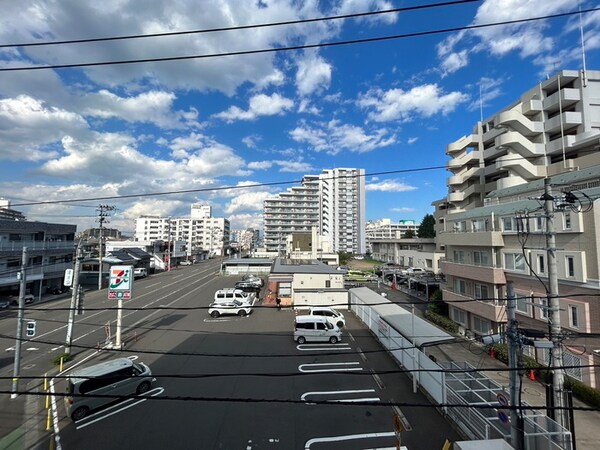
(489, 89)
(252, 140)
(244, 221)
(403, 209)
(260, 165)
(412, 140)
(455, 61)
(260, 105)
(334, 137)
(28, 126)
(396, 104)
(389, 186)
(294, 166)
(247, 201)
(314, 74)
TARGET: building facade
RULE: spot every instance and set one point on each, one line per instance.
(491, 225)
(409, 252)
(377, 230)
(50, 251)
(333, 202)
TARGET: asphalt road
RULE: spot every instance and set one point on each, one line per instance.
(227, 383)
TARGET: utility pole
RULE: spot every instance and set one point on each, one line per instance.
(558, 378)
(74, 299)
(514, 363)
(169, 248)
(102, 214)
(22, 287)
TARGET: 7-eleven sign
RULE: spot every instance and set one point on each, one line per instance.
(120, 284)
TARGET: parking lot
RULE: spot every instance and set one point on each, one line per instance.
(242, 382)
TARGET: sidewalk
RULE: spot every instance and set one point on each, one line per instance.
(533, 392)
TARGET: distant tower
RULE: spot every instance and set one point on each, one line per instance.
(201, 211)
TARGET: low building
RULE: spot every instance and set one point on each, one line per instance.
(304, 283)
(413, 252)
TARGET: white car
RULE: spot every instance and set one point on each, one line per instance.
(230, 307)
(185, 263)
(413, 271)
(334, 317)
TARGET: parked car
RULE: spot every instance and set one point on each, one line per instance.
(4, 303)
(315, 328)
(230, 294)
(335, 317)
(256, 278)
(248, 286)
(413, 271)
(230, 307)
(140, 272)
(185, 262)
(29, 298)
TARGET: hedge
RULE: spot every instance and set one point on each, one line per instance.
(442, 321)
(589, 395)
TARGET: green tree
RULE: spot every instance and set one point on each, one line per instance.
(427, 227)
(409, 234)
(345, 258)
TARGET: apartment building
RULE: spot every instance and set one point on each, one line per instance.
(409, 252)
(50, 251)
(202, 234)
(247, 239)
(377, 230)
(333, 202)
(491, 225)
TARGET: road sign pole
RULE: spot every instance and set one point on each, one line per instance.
(17, 364)
(119, 321)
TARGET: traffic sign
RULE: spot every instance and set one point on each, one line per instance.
(68, 281)
(503, 416)
(502, 398)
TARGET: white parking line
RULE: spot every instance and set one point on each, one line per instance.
(341, 400)
(348, 437)
(342, 367)
(102, 415)
(321, 347)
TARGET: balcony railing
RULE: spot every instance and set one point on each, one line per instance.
(36, 245)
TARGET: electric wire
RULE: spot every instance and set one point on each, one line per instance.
(298, 47)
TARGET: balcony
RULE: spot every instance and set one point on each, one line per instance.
(463, 160)
(520, 166)
(569, 120)
(461, 144)
(520, 144)
(461, 195)
(568, 97)
(484, 274)
(36, 245)
(530, 107)
(463, 177)
(518, 122)
(488, 310)
(470, 239)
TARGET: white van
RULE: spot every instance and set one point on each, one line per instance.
(118, 377)
(335, 317)
(315, 328)
(140, 272)
(229, 295)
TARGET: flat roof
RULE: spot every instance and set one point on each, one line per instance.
(287, 266)
(248, 262)
(401, 319)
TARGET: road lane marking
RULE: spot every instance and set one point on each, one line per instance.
(102, 416)
(361, 354)
(378, 380)
(341, 367)
(348, 437)
(321, 347)
(341, 400)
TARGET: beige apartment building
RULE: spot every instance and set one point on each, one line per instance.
(492, 224)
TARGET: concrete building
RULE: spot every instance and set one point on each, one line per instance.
(409, 252)
(333, 201)
(377, 230)
(50, 251)
(201, 233)
(491, 226)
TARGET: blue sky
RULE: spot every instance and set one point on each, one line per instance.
(128, 129)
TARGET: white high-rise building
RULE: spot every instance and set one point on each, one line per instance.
(333, 201)
(201, 211)
(207, 234)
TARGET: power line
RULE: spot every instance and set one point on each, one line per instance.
(241, 27)
(297, 47)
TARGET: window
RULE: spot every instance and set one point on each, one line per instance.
(481, 259)
(460, 286)
(459, 316)
(459, 256)
(514, 261)
(522, 305)
(327, 283)
(573, 316)
(570, 266)
(478, 225)
(481, 292)
(567, 220)
(321, 326)
(541, 264)
(507, 224)
(544, 308)
(481, 325)
(540, 223)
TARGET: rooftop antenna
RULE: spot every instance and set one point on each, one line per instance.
(583, 72)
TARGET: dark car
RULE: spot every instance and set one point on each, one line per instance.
(4, 303)
(248, 286)
(254, 279)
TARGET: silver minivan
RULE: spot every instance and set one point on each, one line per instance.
(315, 328)
(119, 377)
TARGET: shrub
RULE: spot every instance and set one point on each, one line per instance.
(586, 394)
(65, 357)
(444, 322)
